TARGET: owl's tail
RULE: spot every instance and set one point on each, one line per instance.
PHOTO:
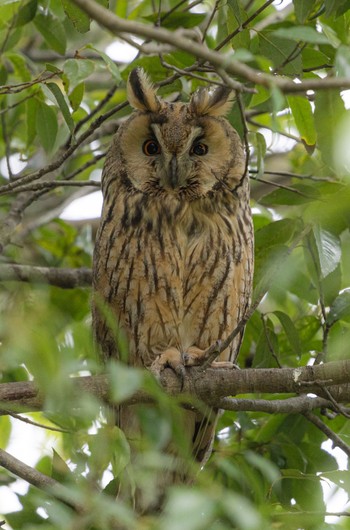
(145, 481)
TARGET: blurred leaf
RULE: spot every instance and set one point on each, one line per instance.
(187, 508)
(112, 67)
(327, 103)
(260, 153)
(280, 51)
(52, 31)
(275, 233)
(301, 33)
(5, 430)
(298, 194)
(339, 477)
(303, 117)
(76, 96)
(79, 18)
(329, 250)
(177, 19)
(47, 127)
(25, 13)
(32, 107)
(20, 65)
(340, 309)
(303, 8)
(62, 105)
(125, 381)
(60, 470)
(77, 70)
(342, 61)
(290, 331)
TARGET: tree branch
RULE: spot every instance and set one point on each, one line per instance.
(337, 441)
(37, 479)
(214, 385)
(180, 39)
(60, 277)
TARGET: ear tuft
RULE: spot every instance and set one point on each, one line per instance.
(141, 93)
(211, 103)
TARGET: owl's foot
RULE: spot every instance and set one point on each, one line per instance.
(177, 361)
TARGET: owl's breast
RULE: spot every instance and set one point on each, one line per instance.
(171, 277)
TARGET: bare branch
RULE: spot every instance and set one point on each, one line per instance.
(337, 441)
(65, 278)
(37, 479)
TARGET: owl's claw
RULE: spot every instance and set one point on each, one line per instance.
(177, 361)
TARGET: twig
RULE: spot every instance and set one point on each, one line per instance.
(37, 479)
(281, 186)
(31, 422)
(296, 175)
(337, 441)
(51, 184)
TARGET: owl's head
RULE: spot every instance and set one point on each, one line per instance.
(188, 150)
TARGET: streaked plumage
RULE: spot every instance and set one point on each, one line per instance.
(174, 253)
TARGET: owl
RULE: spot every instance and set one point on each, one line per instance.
(173, 259)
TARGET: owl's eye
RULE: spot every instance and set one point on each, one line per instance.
(151, 148)
(199, 149)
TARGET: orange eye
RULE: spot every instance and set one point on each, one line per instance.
(199, 149)
(151, 148)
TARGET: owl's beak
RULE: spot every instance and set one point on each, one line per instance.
(173, 172)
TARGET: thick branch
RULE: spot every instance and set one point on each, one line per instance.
(60, 277)
(180, 39)
(213, 385)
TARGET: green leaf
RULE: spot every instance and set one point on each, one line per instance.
(62, 104)
(76, 96)
(303, 9)
(342, 61)
(301, 33)
(280, 51)
(60, 470)
(20, 66)
(185, 508)
(80, 20)
(276, 233)
(112, 67)
(329, 250)
(290, 330)
(340, 309)
(303, 193)
(268, 265)
(125, 381)
(25, 13)
(53, 32)
(260, 153)
(235, 7)
(32, 107)
(303, 117)
(46, 123)
(5, 430)
(77, 70)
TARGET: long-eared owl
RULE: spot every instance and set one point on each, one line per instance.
(173, 260)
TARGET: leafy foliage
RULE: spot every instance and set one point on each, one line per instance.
(61, 98)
